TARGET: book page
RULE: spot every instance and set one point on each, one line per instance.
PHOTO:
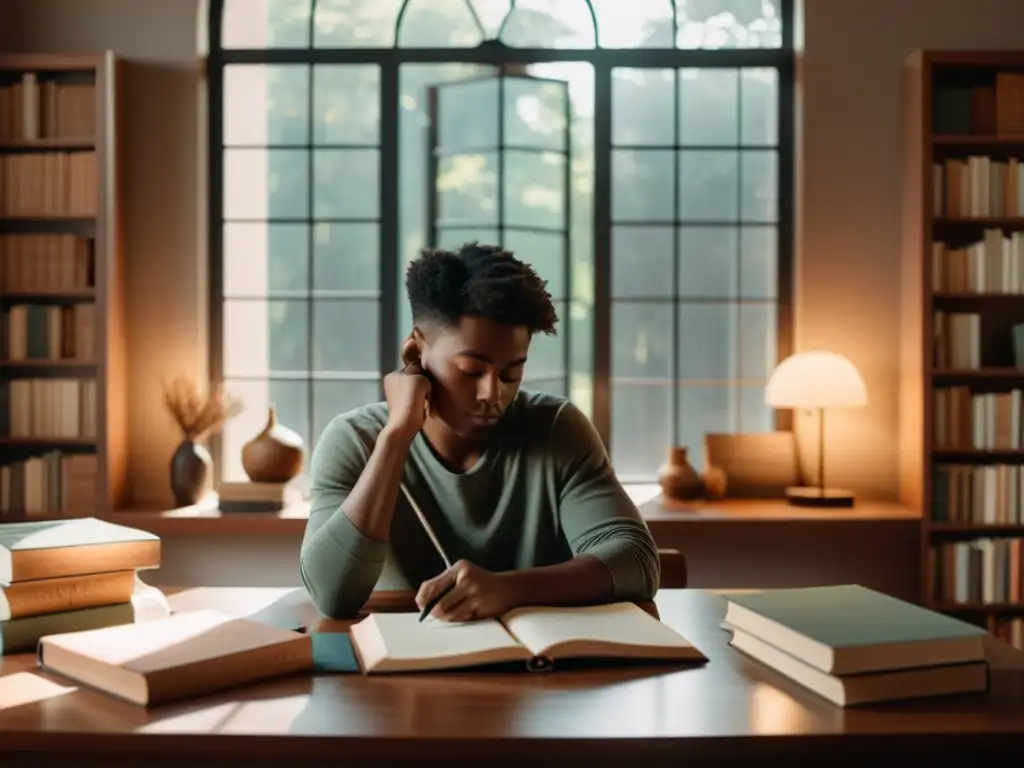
(616, 629)
(407, 639)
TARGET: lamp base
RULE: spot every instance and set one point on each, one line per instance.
(819, 497)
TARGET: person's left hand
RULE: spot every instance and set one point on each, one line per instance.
(477, 594)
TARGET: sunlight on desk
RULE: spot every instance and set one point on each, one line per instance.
(239, 601)
(28, 688)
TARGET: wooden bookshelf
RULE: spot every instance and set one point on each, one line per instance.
(961, 383)
(63, 387)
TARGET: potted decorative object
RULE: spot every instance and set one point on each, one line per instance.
(198, 416)
(679, 480)
(275, 455)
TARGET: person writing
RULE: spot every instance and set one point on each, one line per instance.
(516, 485)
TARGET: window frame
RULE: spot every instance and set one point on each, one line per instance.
(604, 61)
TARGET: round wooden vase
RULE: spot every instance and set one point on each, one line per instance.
(274, 455)
(190, 469)
(679, 480)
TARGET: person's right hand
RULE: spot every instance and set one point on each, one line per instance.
(408, 395)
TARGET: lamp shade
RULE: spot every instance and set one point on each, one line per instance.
(816, 379)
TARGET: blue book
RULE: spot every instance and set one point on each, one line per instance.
(849, 629)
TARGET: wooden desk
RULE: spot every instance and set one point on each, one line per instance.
(729, 710)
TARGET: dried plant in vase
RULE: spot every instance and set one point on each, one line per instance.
(198, 415)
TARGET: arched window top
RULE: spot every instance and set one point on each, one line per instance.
(558, 24)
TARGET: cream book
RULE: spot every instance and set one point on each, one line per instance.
(184, 654)
(539, 637)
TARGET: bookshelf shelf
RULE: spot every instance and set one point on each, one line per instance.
(63, 384)
(962, 383)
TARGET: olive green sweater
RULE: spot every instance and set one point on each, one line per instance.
(543, 492)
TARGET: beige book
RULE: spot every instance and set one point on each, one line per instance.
(65, 593)
(181, 655)
(869, 688)
(539, 637)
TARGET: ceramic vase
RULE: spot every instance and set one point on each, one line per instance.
(275, 455)
(678, 479)
(190, 470)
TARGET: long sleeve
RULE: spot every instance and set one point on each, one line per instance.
(596, 514)
(340, 565)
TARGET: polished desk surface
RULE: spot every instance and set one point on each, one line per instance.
(726, 709)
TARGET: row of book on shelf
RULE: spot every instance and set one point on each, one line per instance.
(996, 109)
(986, 421)
(982, 570)
(994, 264)
(978, 187)
(981, 494)
(53, 484)
(46, 263)
(49, 184)
(47, 108)
(956, 341)
(53, 408)
(48, 332)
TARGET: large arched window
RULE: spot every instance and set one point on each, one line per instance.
(638, 152)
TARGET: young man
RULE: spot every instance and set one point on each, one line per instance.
(516, 485)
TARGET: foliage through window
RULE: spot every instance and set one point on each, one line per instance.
(637, 153)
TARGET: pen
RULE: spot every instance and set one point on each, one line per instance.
(437, 545)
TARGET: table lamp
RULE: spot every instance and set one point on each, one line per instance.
(817, 380)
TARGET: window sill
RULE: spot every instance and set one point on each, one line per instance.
(204, 518)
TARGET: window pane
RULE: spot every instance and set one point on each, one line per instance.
(642, 185)
(345, 335)
(708, 185)
(634, 24)
(549, 24)
(547, 353)
(438, 24)
(707, 261)
(755, 415)
(291, 402)
(704, 409)
(760, 94)
(467, 115)
(708, 101)
(545, 252)
(346, 104)
(757, 341)
(641, 427)
(641, 339)
(643, 106)
(468, 190)
(265, 24)
(729, 24)
(261, 258)
(759, 263)
(553, 386)
(346, 257)
(266, 104)
(641, 261)
(336, 196)
(355, 23)
(453, 238)
(266, 184)
(265, 336)
(535, 189)
(332, 398)
(760, 186)
(707, 340)
(535, 113)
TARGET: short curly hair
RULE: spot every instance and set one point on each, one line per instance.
(479, 281)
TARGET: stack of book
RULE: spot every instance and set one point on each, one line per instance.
(70, 575)
(853, 645)
(256, 497)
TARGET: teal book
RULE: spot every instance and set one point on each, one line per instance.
(849, 629)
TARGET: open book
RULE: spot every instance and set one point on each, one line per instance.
(537, 636)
